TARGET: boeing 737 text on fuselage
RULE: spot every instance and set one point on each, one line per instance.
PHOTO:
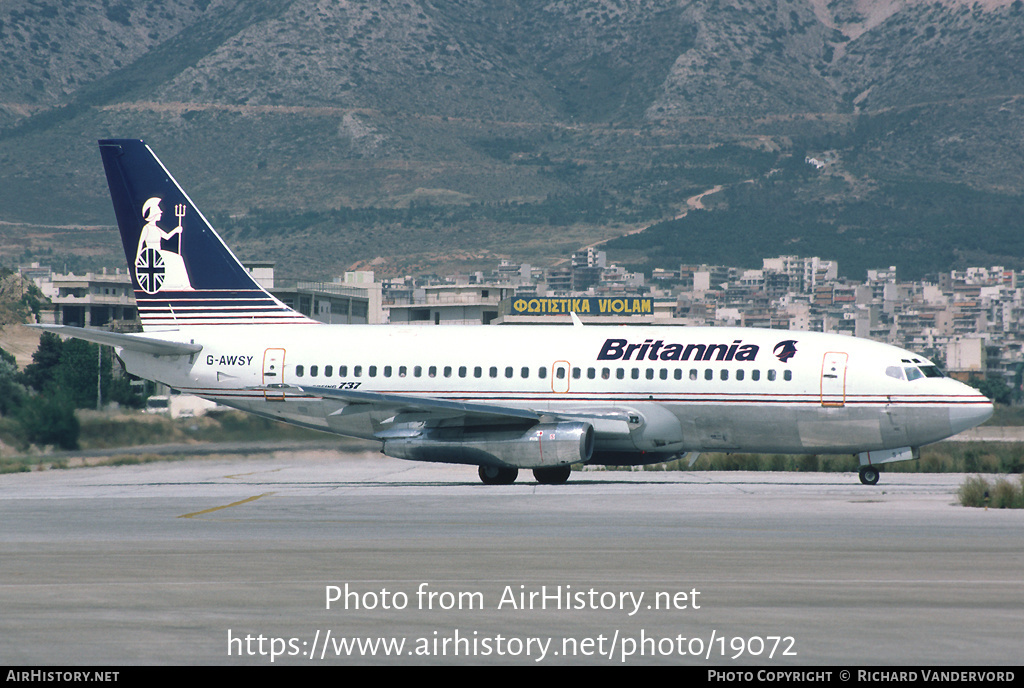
(510, 397)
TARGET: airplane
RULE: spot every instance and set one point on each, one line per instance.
(512, 397)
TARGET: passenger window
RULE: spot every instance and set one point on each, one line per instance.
(313, 370)
(606, 373)
(560, 373)
(771, 375)
(462, 371)
(402, 371)
(635, 373)
(620, 373)
(542, 373)
(432, 371)
(373, 371)
(493, 371)
(478, 371)
(591, 373)
(663, 374)
(755, 375)
(387, 371)
(447, 371)
(725, 374)
(357, 371)
(678, 374)
(693, 373)
(328, 371)
(509, 372)
(739, 374)
(342, 371)
(650, 373)
(787, 375)
(709, 374)
(300, 371)
(525, 372)
(576, 372)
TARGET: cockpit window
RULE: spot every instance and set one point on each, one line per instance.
(913, 369)
(895, 371)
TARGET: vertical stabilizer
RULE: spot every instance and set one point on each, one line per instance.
(182, 272)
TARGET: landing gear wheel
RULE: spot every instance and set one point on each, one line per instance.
(552, 476)
(869, 475)
(495, 475)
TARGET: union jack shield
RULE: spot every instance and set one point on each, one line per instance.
(149, 270)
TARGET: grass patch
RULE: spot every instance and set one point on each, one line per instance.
(943, 457)
(1003, 494)
(800, 463)
(15, 464)
(103, 431)
(1007, 416)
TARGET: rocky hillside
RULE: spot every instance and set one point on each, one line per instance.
(417, 134)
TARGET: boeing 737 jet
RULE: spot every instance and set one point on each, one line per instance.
(504, 398)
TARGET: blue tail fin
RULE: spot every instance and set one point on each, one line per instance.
(182, 271)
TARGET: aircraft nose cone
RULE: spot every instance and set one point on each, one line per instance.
(967, 415)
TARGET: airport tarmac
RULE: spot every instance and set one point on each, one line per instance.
(231, 560)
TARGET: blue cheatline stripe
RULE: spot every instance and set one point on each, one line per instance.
(215, 307)
(267, 308)
(196, 303)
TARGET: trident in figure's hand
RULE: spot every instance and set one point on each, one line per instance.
(179, 212)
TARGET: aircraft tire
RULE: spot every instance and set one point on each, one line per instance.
(869, 475)
(495, 475)
(552, 476)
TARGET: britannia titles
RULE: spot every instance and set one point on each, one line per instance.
(651, 350)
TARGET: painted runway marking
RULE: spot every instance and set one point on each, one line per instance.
(226, 506)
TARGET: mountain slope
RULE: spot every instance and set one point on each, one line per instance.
(431, 135)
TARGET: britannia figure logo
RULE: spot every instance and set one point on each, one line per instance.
(158, 268)
(785, 350)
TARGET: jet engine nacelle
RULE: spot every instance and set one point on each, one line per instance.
(541, 446)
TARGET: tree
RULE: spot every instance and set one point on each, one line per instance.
(40, 372)
(996, 390)
(49, 420)
(70, 368)
(12, 393)
(76, 373)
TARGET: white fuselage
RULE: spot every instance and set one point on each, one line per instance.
(650, 392)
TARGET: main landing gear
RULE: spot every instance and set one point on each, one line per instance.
(496, 475)
(869, 475)
(552, 476)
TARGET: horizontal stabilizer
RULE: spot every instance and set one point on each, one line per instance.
(132, 342)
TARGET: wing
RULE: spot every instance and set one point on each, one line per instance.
(409, 415)
(441, 430)
(439, 409)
